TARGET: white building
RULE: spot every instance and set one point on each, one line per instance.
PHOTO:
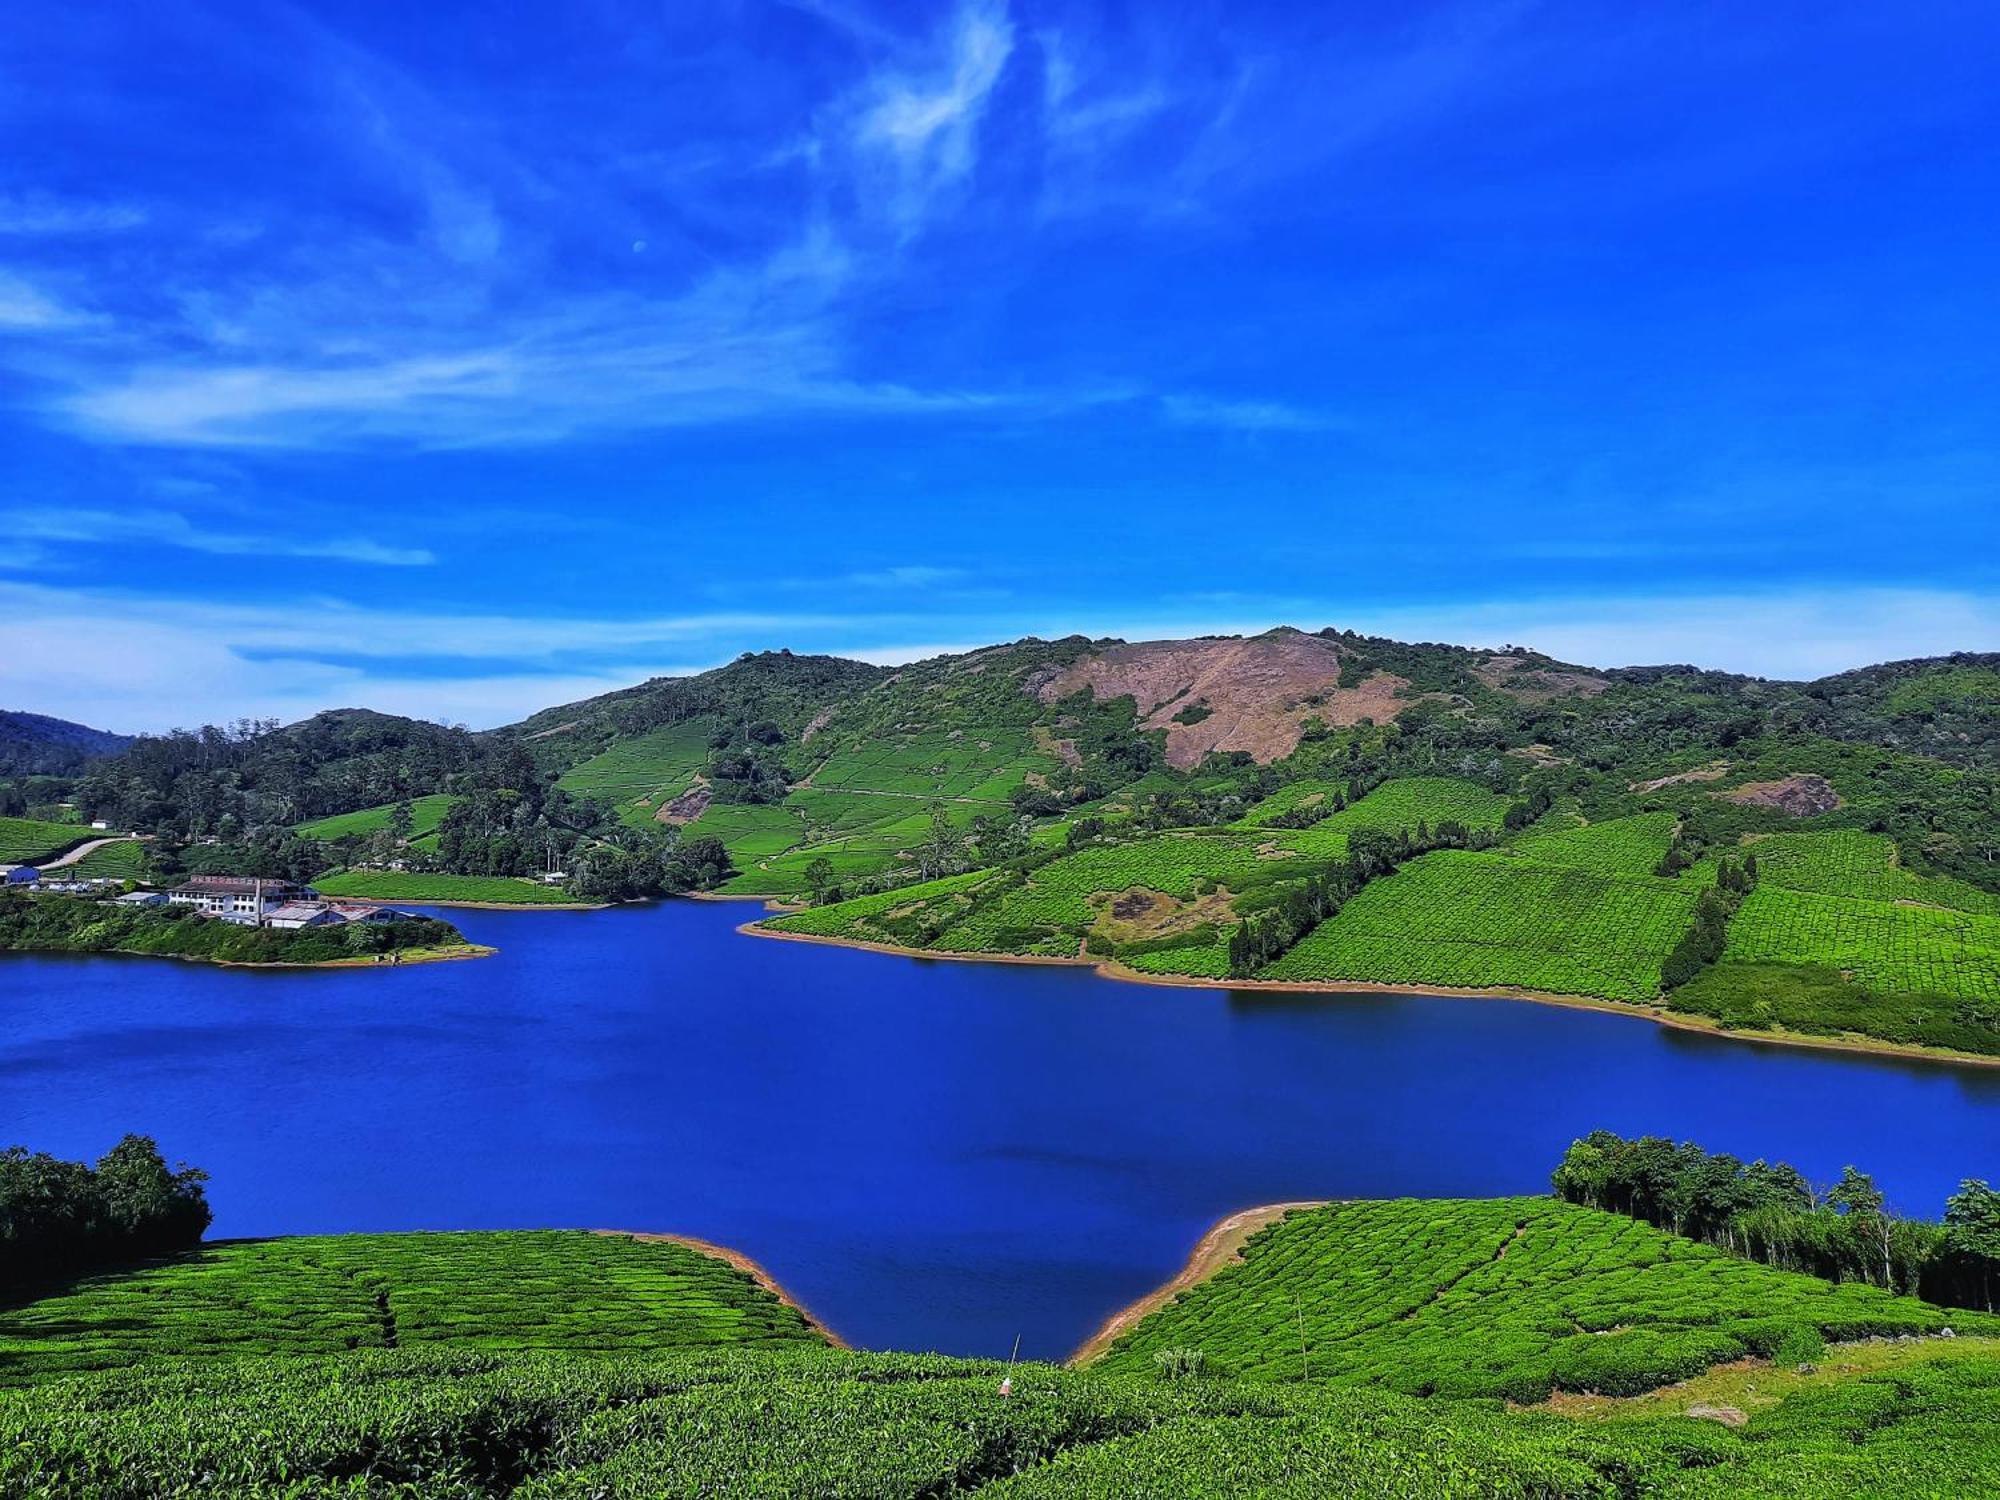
(238, 898)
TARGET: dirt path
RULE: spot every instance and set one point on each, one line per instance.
(742, 1263)
(90, 846)
(1221, 1246)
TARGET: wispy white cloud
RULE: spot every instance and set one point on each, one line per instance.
(43, 215)
(1244, 416)
(919, 126)
(25, 307)
(169, 529)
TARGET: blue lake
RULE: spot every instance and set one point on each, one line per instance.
(929, 1154)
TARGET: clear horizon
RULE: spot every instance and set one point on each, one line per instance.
(460, 365)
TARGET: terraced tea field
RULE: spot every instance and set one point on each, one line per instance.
(124, 860)
(1478, 920)
(1858, 865)
(1310, 793)
(1411, 800)
(641, 775)
(27, 841)
(523, 1290)
(395, 885)
(1498, 1297)
(425, 815)
(1896, 949)
(1631, 847)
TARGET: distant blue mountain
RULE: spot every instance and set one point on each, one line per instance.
(36, 745)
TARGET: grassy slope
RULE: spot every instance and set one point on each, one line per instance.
(393, 885)
(25, 841)
(425, 815)
(1500, 1297)
(526, 1290)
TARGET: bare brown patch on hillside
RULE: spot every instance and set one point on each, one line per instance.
(1140, 913)
(1713, 772)
(1259, 692)
(814, 725)
(1795, 796)
(1519, 677)
(542, 734)
(688, 806)
(1542, 755)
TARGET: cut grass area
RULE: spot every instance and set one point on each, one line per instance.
(1411, 800)
(425, 815)
(27, 841)
(1469, 920)
(1631, 847)
(396, 885)
(1499, 1297)
(540, 1289)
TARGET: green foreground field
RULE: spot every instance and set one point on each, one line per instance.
(559, 1364)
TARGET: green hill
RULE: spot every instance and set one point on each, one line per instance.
(1499, 1297)
(525, 1290)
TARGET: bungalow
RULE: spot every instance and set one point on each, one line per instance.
(238, 898)
(76, 887)
(140, 898)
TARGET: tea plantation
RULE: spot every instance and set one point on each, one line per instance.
(540, 1289)
(1501, 1297)
(27, 841)
(549, 1365)
(1477, 920)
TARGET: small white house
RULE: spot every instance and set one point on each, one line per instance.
(100, 825)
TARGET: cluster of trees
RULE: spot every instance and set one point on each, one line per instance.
(1769, 1212)
(641, 865)
(223, 780)
(79, 924)
(1371, 853)
(1708, 934)
(64, 1219)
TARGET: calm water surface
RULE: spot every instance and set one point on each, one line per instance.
(930, 1154)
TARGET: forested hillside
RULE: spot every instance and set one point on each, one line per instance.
(1818, 858)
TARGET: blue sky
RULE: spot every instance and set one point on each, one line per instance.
(463, 359)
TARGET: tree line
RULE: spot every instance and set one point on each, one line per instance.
(64, 1219)
(1769, 1212)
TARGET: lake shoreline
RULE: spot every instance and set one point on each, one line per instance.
(455, 953)
(1220, 1246)
(1657, 1014)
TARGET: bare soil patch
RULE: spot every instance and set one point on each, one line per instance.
(1520, 677)
(1714, 772)
(688, 806)
(1794, 796)
(1259, 692)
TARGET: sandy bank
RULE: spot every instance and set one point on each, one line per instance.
(1221, 1246)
